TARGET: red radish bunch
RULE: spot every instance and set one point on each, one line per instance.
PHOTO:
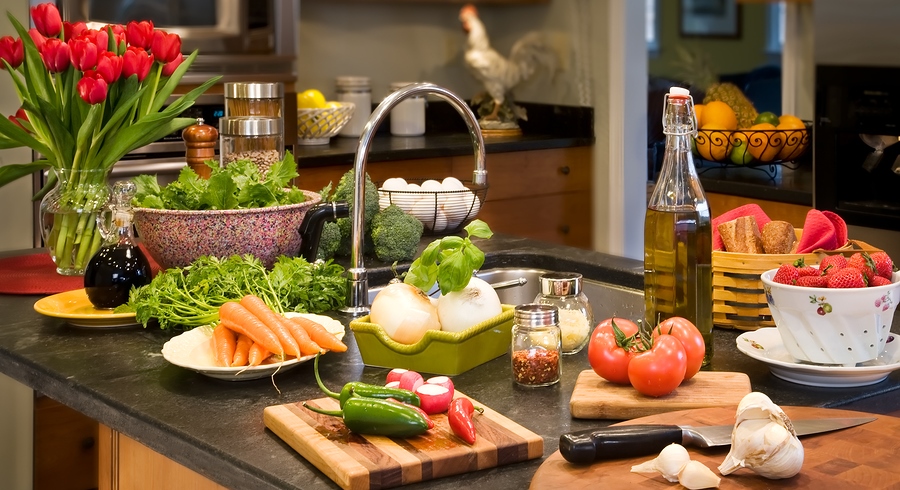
(860, 270)
(435, 394)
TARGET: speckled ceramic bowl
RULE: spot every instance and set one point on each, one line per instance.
(176, 238)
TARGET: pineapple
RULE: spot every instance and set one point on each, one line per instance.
(699, 74)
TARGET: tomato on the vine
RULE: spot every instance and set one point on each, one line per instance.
(691, 338)
(660, 369)
(610, 349)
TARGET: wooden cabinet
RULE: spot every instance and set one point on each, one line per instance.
(541, 194)
(794, 214)
(65, 447)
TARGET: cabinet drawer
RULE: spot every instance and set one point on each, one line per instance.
(557, 218)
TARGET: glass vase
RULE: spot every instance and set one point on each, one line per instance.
(69, 219)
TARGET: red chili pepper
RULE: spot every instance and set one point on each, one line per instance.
(460, 417)
(427, 418)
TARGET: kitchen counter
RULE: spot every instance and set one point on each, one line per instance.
(790, 185)
(119, 378)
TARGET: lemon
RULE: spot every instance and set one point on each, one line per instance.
(767, 117)
(712, 142)
(795, 138)
(765, 142)
(311, 99)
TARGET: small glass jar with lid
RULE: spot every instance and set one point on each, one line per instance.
(564, 290)
(262, 99)
(536, 357)
(258, 139)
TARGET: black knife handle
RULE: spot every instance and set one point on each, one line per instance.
(624, 441)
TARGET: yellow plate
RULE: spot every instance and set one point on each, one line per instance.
(75, 307)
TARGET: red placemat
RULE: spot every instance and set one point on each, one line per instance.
(36, 274)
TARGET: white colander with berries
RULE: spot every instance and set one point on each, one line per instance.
(832, 325)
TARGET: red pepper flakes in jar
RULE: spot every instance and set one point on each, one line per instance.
(536, 343)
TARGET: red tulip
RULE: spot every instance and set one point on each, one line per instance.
(100, 38)
(92, 88)
(84, 53)
(136, 61)
(38, 38)
(19, 115)
(170, 67)
(46, 19)
(109, 66)
(165, 47)
(55, 55)
(139, 34)
(11, 50)
(71, 30)
(118, 31)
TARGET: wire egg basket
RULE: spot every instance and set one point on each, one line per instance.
(442, 212)
(317, 126)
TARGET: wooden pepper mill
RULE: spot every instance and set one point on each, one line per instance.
(200, 141)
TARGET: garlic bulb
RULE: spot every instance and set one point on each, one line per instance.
(694, 475)
(763, 440)
(669, 462)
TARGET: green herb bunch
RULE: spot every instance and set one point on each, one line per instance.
(240, 185)
(449, 261)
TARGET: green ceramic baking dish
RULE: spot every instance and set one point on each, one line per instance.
(438, 352)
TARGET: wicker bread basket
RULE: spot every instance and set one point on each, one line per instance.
(738, 297)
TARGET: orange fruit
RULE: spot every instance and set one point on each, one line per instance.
(795, 139)
(719, 114)
(794, 121)
(765, 141)
(712, 142)
(698, 111)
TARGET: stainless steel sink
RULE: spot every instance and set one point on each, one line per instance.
(606, 299)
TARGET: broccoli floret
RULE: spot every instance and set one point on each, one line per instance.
(329, 241)
(344, 192)
(395, 234)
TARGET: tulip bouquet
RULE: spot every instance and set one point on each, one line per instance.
(88, 97)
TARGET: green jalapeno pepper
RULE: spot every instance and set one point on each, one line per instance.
(378, 417)
(356, 388)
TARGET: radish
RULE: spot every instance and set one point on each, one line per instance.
(394, 374)
(441, 381)
(434, 398)
(392, 384)
(411, 380)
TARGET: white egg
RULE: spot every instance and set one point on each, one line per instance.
(475, 203)
(440, 221)
(394, 184)
(432, 185)
(455, 208)
(412, 187)
(452, 184)
(384, 199)
(424, 211)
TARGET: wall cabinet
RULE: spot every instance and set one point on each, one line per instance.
(541, 194)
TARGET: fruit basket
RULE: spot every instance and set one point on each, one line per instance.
(317, 126)
(751, 147)
(441, 211)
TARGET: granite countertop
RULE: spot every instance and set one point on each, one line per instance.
(119, 378)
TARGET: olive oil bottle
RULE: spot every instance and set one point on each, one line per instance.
(678, 230)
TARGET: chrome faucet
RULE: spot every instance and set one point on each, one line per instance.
(358, 302)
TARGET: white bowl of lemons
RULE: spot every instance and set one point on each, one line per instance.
(318, 119)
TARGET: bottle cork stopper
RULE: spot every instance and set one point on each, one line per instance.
(200, 142)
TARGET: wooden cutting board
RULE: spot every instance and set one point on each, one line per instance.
(595, 398)
(862, 457)
(371, 462)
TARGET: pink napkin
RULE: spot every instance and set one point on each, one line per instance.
(823, 230)
(745, 210)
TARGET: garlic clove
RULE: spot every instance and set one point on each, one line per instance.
(695, 475)
(669, 462)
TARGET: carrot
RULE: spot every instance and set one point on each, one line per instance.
(307, 346)
(319, 334)
(242, 350)
(239, 319)
(257, 354)
(224, 343)
(277, 323)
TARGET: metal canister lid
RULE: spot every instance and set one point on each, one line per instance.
(353, 82)
(561, 284)
(536, 315)
(254, 90)
(251, 126)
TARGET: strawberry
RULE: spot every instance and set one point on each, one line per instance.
(863, 262)
(786, 274)
(848, 277)
(884, 266)
(807, 270)
(812, 281)
(832, 264)
(879, 281)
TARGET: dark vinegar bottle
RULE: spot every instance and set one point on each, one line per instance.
(120, 264)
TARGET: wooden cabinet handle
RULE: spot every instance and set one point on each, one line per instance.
(564, 170)
(564, 229)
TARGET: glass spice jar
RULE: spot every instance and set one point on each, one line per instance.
(536, 345)
(564, 290)
(258, 139)
(260, 99)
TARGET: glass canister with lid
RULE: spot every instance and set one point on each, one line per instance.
(260, 99)
(359, 91)
(536, 359)
(258, 139)
(408, 116)
(565, 291)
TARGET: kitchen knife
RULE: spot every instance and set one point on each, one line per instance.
(627, 441)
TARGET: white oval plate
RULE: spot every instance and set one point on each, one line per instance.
(767, 346)
(194, 350)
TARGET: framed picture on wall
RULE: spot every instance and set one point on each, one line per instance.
(710, 18)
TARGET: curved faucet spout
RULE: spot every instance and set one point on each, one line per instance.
(358, 301)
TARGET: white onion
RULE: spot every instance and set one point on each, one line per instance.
(405, 312)
(476, 303)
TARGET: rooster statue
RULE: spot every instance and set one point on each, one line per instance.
(500, 75)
